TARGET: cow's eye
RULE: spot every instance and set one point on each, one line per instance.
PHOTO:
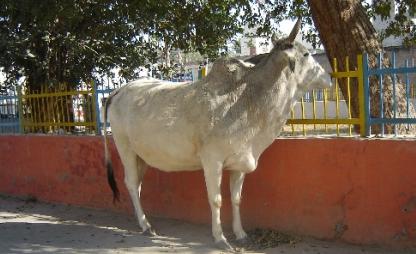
(306, 54)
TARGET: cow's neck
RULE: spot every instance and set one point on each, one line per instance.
(274, 95)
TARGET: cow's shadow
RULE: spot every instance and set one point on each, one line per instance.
(47, 228)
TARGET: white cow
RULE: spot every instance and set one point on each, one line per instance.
(224, 121)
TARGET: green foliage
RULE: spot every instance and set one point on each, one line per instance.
(49, 41)
(54, 41)
(278, 10)
(401, 23)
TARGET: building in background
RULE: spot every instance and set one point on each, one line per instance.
(253, 45)
(380, 24)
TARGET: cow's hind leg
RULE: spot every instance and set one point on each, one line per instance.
(236, 185)
(213, 175)
(134, 169)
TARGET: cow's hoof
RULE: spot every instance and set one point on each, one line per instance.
(149, 232)
(224, 245)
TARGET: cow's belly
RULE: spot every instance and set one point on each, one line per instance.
(167, 154)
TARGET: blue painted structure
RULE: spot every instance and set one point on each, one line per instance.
(9, 112)
(102, 91)
(380, 73)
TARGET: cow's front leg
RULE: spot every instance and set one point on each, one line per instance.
(236, 185)
(213, 174)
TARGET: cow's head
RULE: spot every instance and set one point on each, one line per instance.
(305, 71)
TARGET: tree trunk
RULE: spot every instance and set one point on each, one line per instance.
(346, 30)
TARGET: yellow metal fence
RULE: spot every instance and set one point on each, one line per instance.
(62, 109)
(66, 109)
(325, 115)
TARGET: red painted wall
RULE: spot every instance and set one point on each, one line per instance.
(360, 191)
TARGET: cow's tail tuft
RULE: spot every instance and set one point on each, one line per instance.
(109, 165)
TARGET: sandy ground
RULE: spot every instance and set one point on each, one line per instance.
(36, 227)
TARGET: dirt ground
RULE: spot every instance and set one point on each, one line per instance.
(27, 226)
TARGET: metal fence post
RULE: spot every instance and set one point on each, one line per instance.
(96, 108)
(361, 95)
(366, 93)
(20, 109)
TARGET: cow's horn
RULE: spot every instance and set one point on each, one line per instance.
(295, 31)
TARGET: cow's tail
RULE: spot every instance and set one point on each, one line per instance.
(109, 165)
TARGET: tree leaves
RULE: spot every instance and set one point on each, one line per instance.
(401, 19)
(53, 41)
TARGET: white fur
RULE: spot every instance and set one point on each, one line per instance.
(223, 122)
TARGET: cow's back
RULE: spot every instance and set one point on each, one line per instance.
(161, 121)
